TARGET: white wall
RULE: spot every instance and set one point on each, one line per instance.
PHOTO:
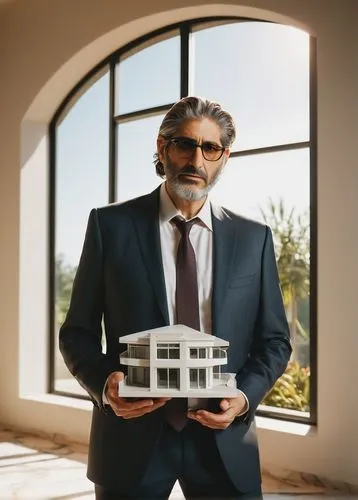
(45, 47)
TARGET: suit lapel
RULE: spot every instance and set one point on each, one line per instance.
(223, 250)
(146, 220)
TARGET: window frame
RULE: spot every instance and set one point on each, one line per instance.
(219, 353)
(198, 351)
(185, 29)
(196, 378)
(168, 348)
(171, 374)
(139, 375)
(138, 351)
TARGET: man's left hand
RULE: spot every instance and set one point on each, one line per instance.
(230, 409)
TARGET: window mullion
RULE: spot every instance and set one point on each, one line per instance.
(112, 172)
(184, 59)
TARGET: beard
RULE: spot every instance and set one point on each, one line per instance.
(184, 189)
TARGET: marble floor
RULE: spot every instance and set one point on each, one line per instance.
(37, 468)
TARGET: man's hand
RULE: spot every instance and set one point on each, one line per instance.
(231, 408)
(123, 407)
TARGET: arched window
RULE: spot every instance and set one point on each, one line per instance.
(103, 137)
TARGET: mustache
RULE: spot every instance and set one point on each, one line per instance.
(191, 170)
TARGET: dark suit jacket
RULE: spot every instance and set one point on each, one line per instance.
(120, 276)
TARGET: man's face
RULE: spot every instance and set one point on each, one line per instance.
(189, 175)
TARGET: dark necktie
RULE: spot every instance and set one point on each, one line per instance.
(186, 293)
(187, 307)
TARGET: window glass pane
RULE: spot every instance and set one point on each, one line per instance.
(136, 147)
(138, 375)
(202, 353)
(162, 353)
(249, 182)
(150, 77)
(81, 184)
(130, 374)
(194, 353)
(275, 188)
(174, 379)
(162, 377)
(174, 353)
(259, 72)
(146, 376)
(219, 353)
(202, 378)
(139, 352)
(193, 374)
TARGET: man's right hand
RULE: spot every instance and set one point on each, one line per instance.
(123, 407)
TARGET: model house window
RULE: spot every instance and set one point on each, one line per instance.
(270, 89)
(139, 375)
(197, 378)
(216, 371)
(168, 378)
(138, 351)
(219, 353)
(168, 351)
(196, 352)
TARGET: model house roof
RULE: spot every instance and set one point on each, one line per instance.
(177, 333)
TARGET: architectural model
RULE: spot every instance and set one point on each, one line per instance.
(175, 361)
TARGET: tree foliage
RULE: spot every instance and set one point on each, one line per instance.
(291, 233)
(292, 390)
(64, 276)
(292, 245)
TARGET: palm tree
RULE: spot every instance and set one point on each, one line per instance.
(291, 236)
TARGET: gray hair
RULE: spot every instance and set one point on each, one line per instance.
(195, 108)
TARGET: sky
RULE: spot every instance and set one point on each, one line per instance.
(259, 72)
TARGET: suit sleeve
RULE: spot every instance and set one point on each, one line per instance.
(81, 333)
(271, 348)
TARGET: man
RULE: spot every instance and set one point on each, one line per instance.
(128, 275)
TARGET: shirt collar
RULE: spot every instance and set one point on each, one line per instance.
(168, 210)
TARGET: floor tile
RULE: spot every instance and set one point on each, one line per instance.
(36, 468)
